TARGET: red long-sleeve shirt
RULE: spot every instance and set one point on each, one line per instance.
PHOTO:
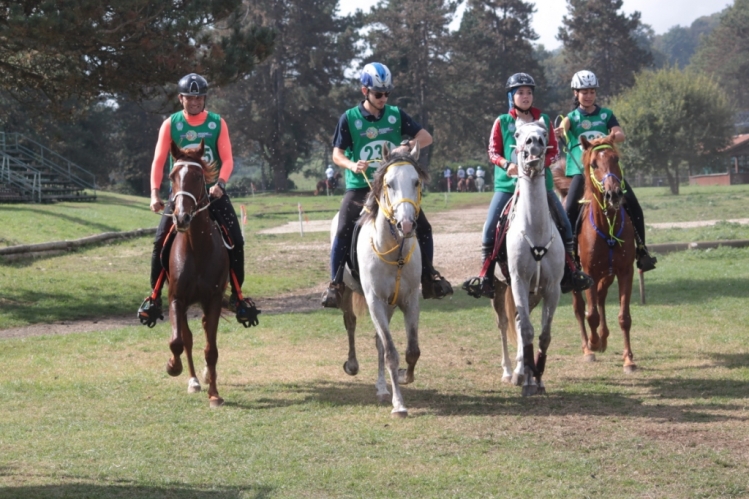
(497, 148)
(165, 141)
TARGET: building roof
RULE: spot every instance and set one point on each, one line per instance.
(737, 142)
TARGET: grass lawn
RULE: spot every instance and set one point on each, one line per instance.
(95, 415)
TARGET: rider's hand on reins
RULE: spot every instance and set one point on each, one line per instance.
(156, 203)
(216, 191)
(360, 166)
(512, 170)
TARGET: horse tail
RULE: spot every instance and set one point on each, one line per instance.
(359, 304)
(511, 311)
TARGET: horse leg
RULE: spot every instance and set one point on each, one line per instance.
(351, 366)
(625, 319)
(526, 333)
(381, 315)
(603, 326)
(178, 319)
(383, 395)
(193, 385)
(411, 319)
(551, 299)
(210, 326)
(500, 314)
(594, 319)
(578, 305)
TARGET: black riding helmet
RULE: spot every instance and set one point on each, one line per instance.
(193, 84)
(520, 80)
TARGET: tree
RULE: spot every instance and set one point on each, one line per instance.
(679, 43)
(286, 105)
(672, 117)
(597, 37)
(724, 53)
(494, 41)
(412, 38)
(58, 53)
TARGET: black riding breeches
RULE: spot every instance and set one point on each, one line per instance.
(572, 203)
(634, 210)
(222, 211)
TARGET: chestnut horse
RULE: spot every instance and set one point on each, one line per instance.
(606, 245)
(328, 185)
(198, 266)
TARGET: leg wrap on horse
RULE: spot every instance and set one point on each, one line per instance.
(540, 364)
(528, 361)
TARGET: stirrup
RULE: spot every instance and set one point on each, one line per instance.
(479, 287)
(247, 312)
(645, 261)
(150, 311)
(435, 286)
(332, 297)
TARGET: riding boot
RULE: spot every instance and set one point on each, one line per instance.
(433, 285)
(245, 309)
(151, 309)
(331, 297)
(482, 286)
(574, 278)
(645, 261)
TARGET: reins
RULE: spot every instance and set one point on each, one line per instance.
(203, 192)
(388, 210)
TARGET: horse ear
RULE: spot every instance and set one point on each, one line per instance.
(201, 148)
(584, 142)
(540, 122)
(175, 150)
(415, 151)
(385, 152)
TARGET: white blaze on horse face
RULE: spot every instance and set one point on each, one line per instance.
(531, 139)
(403, 186)
(179, 202)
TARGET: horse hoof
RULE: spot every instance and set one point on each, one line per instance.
(590, 357)
(507, 379)
(399, 414)
(384, 398)
(541, 390)
(193, 385)
(173, 368)
(518, 379)
(352, 370)
(529, 390)
(629, 369)
(404, 378)
(206, 377)
(216, 402)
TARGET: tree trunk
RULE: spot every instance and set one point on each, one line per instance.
(673, 178)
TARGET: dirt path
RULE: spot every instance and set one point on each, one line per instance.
(457, 242)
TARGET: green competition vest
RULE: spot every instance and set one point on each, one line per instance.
(502, 181)
(592, 127)
(189, 137)
(368, 138)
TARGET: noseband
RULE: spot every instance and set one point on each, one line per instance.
(203, 192)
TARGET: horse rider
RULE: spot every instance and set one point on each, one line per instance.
(187, 128)
(359, 137)
(330, 177)
(520, 88)
(592, 121)
(461, 173)
(480, 172)
(470, 172)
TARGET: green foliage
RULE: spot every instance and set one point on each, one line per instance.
(285, 105)
(56, 50)
(598, 37)
(670, 117)
(724, 53)
(678, 44)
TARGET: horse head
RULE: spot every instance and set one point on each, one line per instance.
(396, 188)
(601, 163)
(531, 141)
(190, 176)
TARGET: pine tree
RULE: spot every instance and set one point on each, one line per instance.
(599, 38)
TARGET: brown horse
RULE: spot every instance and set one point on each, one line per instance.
(198, 266)
(606, 246)
(328, 185)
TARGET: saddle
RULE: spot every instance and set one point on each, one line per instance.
(166, 246)
(499, 254)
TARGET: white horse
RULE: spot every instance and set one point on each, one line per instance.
(480, 184)
(535, 259)
(389, 269)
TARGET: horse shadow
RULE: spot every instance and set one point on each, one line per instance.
(131, 491)
(731, 360)
(684, 290)
(507, 401)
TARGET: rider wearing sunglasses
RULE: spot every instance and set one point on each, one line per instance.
(520, 88)
(187, 128)
(593, 121)
(358, 141)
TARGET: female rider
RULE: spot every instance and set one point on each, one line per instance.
(520, 88)
(592, 121)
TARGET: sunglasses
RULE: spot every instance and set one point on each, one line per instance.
(380, 95)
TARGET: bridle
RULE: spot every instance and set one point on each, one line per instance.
(203, 192)
(387, 206)
(532, 171)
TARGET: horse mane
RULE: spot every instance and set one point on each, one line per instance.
(210, 171)
(400, 153)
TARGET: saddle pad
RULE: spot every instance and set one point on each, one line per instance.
(353, 258)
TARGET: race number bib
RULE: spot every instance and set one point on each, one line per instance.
(372, 152)
(207, 153)
(592, 135)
